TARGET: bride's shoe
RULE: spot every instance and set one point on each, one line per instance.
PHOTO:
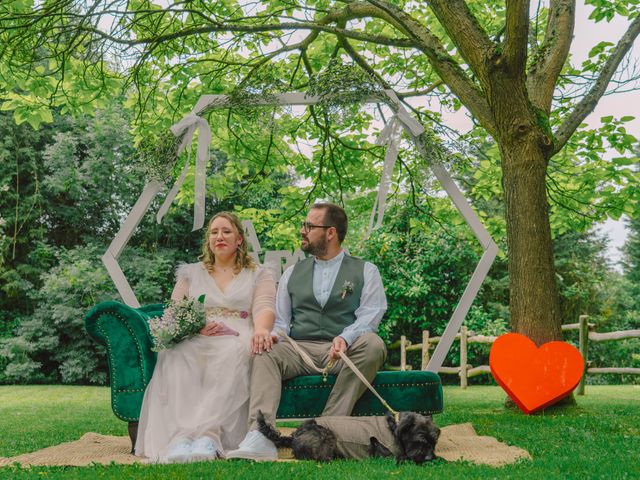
(204, 448)
(180, 452)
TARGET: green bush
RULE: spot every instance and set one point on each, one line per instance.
(425, 271)
(52, 346)
(424, 274)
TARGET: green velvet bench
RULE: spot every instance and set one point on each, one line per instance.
(124, 332)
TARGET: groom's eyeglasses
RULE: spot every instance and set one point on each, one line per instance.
(307, 227)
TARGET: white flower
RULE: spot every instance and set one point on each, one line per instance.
(179, 320)
(347, 288)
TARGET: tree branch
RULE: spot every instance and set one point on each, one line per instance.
(590, 100)
(445, 66)
(516, 36)
(227, 28)
(552, 55)
(420, 93)
(344, 43)
(472, 41)
(302, 45)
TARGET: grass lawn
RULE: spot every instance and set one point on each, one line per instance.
(600, 438)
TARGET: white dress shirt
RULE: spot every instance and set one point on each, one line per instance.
(373, 302)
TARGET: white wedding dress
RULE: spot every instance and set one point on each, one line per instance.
(200, 387)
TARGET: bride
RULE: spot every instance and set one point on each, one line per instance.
(196, 404)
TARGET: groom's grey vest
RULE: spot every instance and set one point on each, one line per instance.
(310, 321)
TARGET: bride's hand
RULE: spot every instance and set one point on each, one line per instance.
(261, 341)
(211, 329)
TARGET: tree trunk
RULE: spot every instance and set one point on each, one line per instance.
(534, 302)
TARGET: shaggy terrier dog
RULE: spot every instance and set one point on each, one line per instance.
(412, 438)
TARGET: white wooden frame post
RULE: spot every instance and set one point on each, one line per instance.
(186, 128)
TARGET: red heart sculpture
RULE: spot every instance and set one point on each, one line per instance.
(534, 377)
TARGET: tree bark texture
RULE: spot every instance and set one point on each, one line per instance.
(526, 144)
(533, 290)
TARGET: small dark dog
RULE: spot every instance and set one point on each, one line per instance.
(413, 438)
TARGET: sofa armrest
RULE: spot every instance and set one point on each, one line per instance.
(124, 332)
(152, 310)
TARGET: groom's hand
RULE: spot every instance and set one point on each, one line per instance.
(339, 345)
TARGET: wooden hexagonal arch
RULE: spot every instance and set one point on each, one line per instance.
(186, 128)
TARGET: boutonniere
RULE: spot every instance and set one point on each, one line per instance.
(347, 288)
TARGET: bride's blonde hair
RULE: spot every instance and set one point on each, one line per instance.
(243, 259)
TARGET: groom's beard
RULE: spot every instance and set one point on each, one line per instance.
(317, 248)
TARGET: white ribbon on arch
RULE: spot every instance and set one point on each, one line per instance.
(390, 135)
(187, 127)
(192, 122)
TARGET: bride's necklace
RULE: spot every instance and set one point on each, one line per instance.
(222, 270)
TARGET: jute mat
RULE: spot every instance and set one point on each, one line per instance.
(461, 442)
(457, 442)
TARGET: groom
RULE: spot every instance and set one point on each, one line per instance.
(328, 303)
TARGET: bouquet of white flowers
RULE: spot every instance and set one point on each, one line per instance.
(180, 320)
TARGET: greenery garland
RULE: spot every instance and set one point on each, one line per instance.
(338, 87)
(156, 156)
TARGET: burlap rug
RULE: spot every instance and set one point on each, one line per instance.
(457, 442)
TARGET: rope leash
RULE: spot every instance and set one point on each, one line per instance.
(325, 371)
(306, 358)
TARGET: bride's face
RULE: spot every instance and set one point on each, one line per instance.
(224, 239)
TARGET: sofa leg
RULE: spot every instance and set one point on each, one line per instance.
(133, 435)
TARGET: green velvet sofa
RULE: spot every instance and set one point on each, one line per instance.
(124, 332)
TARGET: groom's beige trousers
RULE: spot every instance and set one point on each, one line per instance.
(368, 353)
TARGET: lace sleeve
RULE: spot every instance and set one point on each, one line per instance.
(264, 294)
(181, 289)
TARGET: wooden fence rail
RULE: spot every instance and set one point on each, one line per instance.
(467, 337)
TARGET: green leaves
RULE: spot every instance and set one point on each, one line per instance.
(32, 94)
(598, 56)
(27, 108)
(587, 183)
(600, 48)
(608, 9)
